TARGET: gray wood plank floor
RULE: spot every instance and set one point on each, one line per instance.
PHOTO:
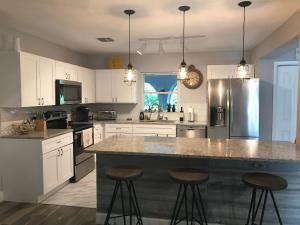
(12, 213)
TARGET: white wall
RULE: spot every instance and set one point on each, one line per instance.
(170, 62)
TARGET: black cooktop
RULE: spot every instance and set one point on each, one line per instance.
(79, 126)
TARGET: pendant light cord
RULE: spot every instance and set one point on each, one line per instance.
(183, 33)
(244, 32)
(129, 46)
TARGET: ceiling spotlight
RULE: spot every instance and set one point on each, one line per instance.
(141, 49)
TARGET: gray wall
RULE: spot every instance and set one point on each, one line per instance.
(38, 46)
(265, 71)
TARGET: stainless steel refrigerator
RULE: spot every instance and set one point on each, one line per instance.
(233, 108)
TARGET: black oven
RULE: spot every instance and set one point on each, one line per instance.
(68, 92)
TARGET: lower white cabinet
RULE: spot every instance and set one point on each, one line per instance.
(35, 168)
(140, 130)
(57, 167)
(98, 133)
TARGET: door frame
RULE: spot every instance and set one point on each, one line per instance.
(276, 65)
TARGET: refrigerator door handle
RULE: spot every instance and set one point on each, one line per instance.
(228, 108)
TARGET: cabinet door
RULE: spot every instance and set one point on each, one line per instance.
(60, 72)
(29, 66)
(50, 170)
(71, 71)
(46, 81)
(122, 92)
(104, 86)
(91, 86)
(66, 164)
(87, 78)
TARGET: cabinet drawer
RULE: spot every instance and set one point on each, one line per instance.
(57, 142)
(155, 129)
(118, 128)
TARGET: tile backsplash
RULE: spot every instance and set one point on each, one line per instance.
(9, 116)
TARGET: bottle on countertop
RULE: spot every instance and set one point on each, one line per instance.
(142, 115)
(169, 107)
(174, 108)
(181, 115)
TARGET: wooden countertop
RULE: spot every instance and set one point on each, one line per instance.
(199, 148)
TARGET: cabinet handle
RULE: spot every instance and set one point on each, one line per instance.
(43, 101)
(116, 99)
(62, 152)
(58, 142)
(39, 101)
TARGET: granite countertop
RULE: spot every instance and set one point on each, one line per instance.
(40, 135)
(199, 148)
(162, 122)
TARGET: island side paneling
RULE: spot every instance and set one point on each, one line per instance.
(227, 199)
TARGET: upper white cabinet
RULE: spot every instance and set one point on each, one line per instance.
(110, 87)
(87, 78)
(224, 71)
(65, 71)
(26, 80)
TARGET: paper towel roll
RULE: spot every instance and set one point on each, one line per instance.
(191, 114)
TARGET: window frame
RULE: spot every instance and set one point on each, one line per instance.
(161, 74)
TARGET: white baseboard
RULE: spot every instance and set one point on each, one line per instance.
(100, 218)
(1, 196)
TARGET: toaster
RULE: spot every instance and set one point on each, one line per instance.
(106, 115)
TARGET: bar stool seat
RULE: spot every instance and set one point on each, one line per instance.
(124, 173)
(189, 179)
(265, 181)
(188, 176)
(124, 177)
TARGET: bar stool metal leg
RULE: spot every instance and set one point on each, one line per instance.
(201, 203)
(112, 202)
(276, 208)
(263, 209)
(176, 204)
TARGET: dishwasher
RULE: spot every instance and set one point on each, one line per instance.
(191, 131)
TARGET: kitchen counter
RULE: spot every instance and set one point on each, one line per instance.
(199, 148)
(226, 197)
(162, 122)
(40, 135)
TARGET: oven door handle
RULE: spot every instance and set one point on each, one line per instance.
(79, 132)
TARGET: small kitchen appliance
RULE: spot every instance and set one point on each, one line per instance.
(106, 115)
(67, 92)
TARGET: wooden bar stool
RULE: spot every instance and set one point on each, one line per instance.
(267, 183)
(125, 175)
(188, 177)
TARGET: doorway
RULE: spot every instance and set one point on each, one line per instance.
(285, 94)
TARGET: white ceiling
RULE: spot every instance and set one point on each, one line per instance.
(76, 24)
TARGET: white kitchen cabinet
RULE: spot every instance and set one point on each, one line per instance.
(57, 167)
(154, 130)
(26, 80)
(65, 71)
(118, 129)
(87, 78)
(45, 85)
(98, 133)
(50, 170)
(43, 166)
(29, 84)
(110, 87)
(66, 164)
(224, 71)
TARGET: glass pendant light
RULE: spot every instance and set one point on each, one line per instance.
(182, 75)
(130, 73)
(243, 70)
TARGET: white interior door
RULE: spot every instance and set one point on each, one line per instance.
(285, 101)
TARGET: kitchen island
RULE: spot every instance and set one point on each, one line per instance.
(227, 198)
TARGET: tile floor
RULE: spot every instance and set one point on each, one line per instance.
(81, 194)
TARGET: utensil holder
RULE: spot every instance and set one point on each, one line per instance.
(41, 126)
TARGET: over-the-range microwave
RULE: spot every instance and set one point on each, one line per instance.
(68, 92)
